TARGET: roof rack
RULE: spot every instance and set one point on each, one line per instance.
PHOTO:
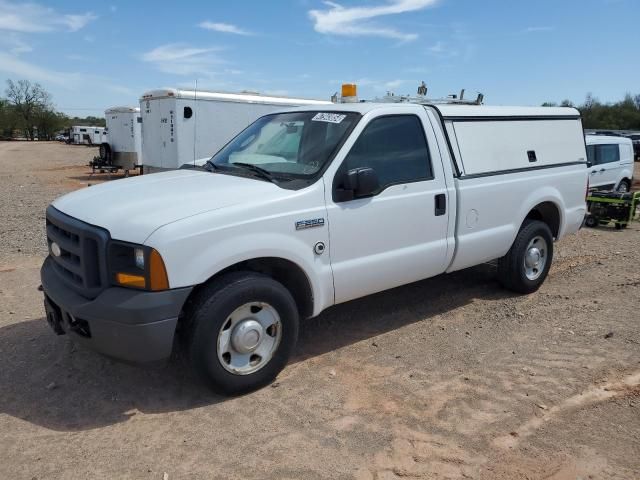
(349, 96)
(421, 98)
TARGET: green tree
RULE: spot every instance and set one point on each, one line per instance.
(28, 100)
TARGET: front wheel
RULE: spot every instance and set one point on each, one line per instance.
(526, 265)
(243, 328)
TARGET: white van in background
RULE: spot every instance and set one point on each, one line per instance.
(182, 126)
(610, 162)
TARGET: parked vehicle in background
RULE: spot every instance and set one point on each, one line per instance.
(61, 138)
(123, 150)
(182, 126)
(87, 135)
(635, 138)
(234, 254)
(610, 162)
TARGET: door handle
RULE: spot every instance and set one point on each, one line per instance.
(603, 169)
(593, 172)
(441, 204)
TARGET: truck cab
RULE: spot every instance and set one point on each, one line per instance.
(307, 208)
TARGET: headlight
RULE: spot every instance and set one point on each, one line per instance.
(136, 266)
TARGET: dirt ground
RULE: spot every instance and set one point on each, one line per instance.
(449, 378)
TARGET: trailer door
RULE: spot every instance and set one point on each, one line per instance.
(158, 132)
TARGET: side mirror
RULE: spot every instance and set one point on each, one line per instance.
(589, 164)
(358, 183)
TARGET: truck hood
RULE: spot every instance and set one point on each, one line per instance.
(133, 208)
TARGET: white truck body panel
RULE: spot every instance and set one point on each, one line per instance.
(171, 137)
(203, 222)
(538, 136)
(125, 136)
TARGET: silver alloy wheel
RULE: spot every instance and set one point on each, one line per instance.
(535, 257)
(249, 338)
(623, 187)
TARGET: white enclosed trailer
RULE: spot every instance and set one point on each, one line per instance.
(123, 149)
(181, 126)
(87, 135)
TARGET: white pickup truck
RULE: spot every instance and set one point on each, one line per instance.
(305, 209)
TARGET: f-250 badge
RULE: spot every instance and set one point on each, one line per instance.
(314, 222)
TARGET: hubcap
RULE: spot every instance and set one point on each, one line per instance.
(623, 187)
(535, 258)
(249, 338)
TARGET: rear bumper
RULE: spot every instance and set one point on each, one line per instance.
(122, 323)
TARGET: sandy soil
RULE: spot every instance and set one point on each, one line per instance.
(450, 378)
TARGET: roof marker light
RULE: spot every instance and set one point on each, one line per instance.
(349, 93)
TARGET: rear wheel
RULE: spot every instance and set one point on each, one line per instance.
(243, 329)
(526, 265)
(624, 186)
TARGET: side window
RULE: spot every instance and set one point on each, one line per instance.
(395, 147)
(608, 153)
(591, 154)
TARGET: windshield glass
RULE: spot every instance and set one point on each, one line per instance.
(294, 145)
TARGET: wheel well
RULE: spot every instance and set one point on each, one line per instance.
(548, 213)
(284, 271)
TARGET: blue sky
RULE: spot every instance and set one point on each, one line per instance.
(93, 55)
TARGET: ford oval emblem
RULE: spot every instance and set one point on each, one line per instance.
(55, 249)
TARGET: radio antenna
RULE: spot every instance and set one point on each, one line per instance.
(195, 120)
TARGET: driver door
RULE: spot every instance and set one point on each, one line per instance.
(399, 234)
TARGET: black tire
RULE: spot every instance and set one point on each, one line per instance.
(511, 268)
(104, 151)
(618, 226)
(624, 186)
(591, 221)
(208, 312)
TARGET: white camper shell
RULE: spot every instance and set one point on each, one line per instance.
(124, 146)
(87, 135)
(181, 126)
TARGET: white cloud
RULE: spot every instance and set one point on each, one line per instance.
(183, 59)
(356, 21)
(394, 83)
(538, 29)
(437, 48)
(14, 66)
(14, 44)
(224, 28)
(36, 18)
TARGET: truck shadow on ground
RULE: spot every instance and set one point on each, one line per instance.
(49, 381)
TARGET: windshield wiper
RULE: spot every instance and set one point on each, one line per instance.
(210, 166)
(261, 172)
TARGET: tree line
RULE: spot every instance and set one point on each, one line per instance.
(27, 111)
(621, 115)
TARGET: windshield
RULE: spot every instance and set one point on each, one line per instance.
(288, 145)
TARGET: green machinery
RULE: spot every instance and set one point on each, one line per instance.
(611, 207)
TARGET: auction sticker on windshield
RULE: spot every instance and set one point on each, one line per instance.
(328, 117)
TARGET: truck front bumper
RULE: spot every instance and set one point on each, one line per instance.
(130, 325)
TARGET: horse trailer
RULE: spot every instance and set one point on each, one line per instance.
(87, 135)
(123, 149)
